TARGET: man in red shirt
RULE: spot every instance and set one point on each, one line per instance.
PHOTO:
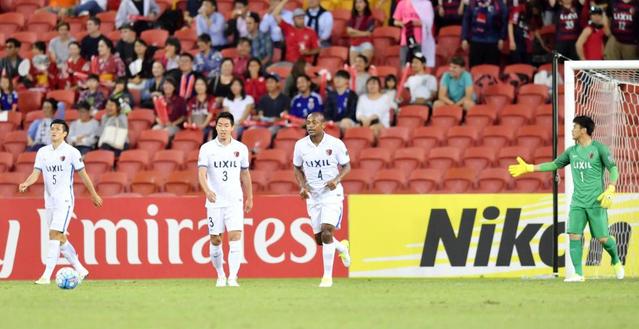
(301, 41)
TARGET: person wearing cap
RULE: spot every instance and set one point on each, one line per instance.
(211, 23)
(126, 44)
(301, 41)
(422, 86)
(341, 102)
(623, 30)
(274, 103)
(321, 21)
(590, 45)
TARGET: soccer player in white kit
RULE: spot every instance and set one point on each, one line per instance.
(320, 162)
(223, 172)
(57, 162)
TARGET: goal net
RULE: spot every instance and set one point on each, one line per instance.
(608, 91)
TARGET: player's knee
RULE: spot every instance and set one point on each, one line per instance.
(235, 236)
(318, 238)
(56, 235)
(575, 237)
(327, 236)
(216, 240)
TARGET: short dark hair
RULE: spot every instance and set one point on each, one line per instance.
(61, 24)
(364, 58)
(83, 106)
(585, 121)
(108, 43)
(185, 54)
(343, 74)
(242, 92)
(255, 17)
(41, 46)
(244, 40)
(204, 38)
(458, 60)
(93, 76)
(95, 20)
(225, 115)
(244, 2)
(306, 77)
(53, 103)
(60, 122)
(173, 41)
(16, 43)
(74, 43)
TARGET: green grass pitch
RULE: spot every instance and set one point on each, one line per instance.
(298, 303)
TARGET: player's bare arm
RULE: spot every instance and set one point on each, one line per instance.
(202, 177)
(95, 198)
(344, 170)
(301, 181)
(247, 186)
(30, 180)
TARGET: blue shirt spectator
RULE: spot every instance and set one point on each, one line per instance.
(211, 22)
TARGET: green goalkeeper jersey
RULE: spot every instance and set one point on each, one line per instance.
(587, 166)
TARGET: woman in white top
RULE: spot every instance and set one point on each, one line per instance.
(238, 103)
(373, 108)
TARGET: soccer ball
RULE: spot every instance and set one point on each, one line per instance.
(67, 278)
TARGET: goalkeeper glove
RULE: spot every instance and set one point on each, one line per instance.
(606, 197)
(520, 168)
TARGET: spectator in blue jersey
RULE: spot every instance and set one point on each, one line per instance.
(207, 60)
(341, 103)
(483, 30)
(8, 96)
(567, 26)
(306, 101)
(210, 22)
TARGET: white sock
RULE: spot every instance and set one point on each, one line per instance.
(235, 257)
(339, 246)
(72, 256)
(328, 253)
(52, 258)
(217, 256)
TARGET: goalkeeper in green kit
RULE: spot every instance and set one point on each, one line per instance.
(588, 159)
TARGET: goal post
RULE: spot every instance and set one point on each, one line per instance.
(608, 91)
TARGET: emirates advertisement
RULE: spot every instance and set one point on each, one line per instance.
(148, 238)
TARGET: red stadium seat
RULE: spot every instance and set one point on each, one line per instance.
(287, 137)
(533, 182)
(112, 183)
(493, 180)
(499, 95)
(332, 64)
(257, 139)
(155, 37)
(259, 180)
(25, 161)
(147, 182)
(428, 137)
(339, 31)
(271, 159)
(462, 136)
(516, 115)
(36, 190)
(30, 117)
(385, 36)
(9, 182)
(358, 138)
(282, 71)
(107, 21)
(478, 71)
(15, 142)
(139, 120)
(533, 136)
(449, 39)
(409, 159)
(374, 158)
(132, 161)
(479, 158)
(424, 181)
(532, 95)
(187, 37)
(508, 155)
(182, 182)
(153, 140)
(71, 115)
(543, 154)
(28, 7)
(447, 116)
(498, 136)
(393, 137)
(543, 115)
(459, 180)
(524, 69)
(412, 116)
(384, 70)
(444, 157)
(66, 96)
(388, 181)
(29, 100)
(14, 120)
(481, 116)
(357, 181)
(283, 182)
(6, 161)
(41, 22)
(27, 39)
(229, 52)
(338, 52)
(167, 161)
(187, 140)
(191, 160)
(99, 161)
(11, 22)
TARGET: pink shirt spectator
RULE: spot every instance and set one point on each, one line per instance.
(406, 13)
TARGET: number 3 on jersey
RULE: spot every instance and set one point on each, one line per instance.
(225, 176)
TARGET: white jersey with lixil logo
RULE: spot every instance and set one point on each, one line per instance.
(224, 164)
(57, 167)
(321, 164)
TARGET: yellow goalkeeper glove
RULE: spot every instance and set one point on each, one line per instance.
(606, 197)
(520, 168)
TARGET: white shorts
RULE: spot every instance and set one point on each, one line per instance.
(325, 213)
(231, 218)
(59, 218)
(362, 47)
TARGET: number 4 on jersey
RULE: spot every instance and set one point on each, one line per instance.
(319, 175)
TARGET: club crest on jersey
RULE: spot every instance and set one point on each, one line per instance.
(237, 154)
(329, 151)
(62, 158)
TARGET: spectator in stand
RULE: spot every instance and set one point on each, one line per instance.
(207, 60)
(239, 104)
(261, 44)
(415, 17)
(201, 109)
(361, 69)
(172, 49)
(274, 103)
(82, 132)
(301, 41)
(185, 76)
(211, 23)
(153, 86)
(243, 55)
(220, 84)
(450, 12)
(390, 88)
(270, 25)
(39, 133)
(306, 101)
(623, 30)
(140, 68)
(422, 86)
(8, 96)
(290, 84)
(456, 86)
(76, 67)
(255, 84)
(236, 26)
(483, 31)
(126, 45)
(9, 63)
(567, 23)
(523, 29)
(89, 44)
(109, 65)
(321, 21)
(341, 103)
(43, 73)
(590, 45)
(122, 95)
(130, 8)
(87, 7)
(113, 129)
(59, 46)
(374, 107)
(92, 95)
(176, 108)
(359, 29)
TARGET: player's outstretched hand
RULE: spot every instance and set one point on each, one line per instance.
(210, 195)
(304, 193)
(248, 205)
(520, 168)
(97, 201)
(606, 197)
(23, 187)
(332, 184)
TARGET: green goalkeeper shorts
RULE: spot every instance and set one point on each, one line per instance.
(597, 219)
